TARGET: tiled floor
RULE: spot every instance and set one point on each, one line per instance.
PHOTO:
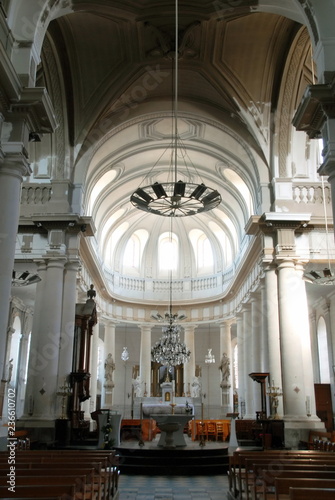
(173, 487)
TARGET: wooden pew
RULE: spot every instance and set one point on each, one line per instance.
(267, 488)
(237, 463)
(83, 490)
(64, 491)
(283, 485)
(255, 484)
(109, 471)
(312, 494)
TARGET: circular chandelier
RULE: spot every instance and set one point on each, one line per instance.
(175, 199)
(169, 350)
(178, 198)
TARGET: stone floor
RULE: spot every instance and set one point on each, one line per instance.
(173, 487)
(138, 487)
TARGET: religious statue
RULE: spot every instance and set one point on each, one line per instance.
(196, 387)
(137, 387)
(225, 368)
(91, 293)
(109, 368)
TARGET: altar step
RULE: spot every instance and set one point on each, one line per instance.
(168, 462)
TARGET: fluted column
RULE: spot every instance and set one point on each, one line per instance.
(240, 363)
(226, 367)
(248, 382)
(256, 338)
(295, 342)
(264, 332)
(189, 367)
(44, 353)
(271, 319)
(145, 360)
(107, 396)
(12, 168)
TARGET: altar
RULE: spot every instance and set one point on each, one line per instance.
(152, 406)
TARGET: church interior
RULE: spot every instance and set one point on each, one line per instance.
(167, 232)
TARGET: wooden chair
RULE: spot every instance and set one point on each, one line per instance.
(210, 430)
(219, 431)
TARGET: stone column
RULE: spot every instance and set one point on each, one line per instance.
(12, 168)
(189, 367)
(44, 353)
(296, 351)
(226, 367)
(107, 395)
(241, 365)
(248, 382)
(264, 331)
(256, 342)
(271, 319)
(145, 360)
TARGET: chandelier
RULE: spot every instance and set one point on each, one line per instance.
(209, 358)
(177, 198)
(169, 350)
(25, 279)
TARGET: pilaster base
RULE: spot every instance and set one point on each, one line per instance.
(296, 430)
(41, 431)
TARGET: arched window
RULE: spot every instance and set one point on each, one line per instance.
(239, 183)
(323, 352)
(131, 256)
(168, 252)
(202, 250)
(134, 249)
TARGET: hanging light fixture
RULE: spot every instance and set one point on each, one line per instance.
(209, 358)
(327, 277)
(125, 354)
(169, 350)
(177, 198)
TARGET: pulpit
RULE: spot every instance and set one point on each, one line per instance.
(86, 318)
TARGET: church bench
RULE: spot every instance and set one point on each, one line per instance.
(109, 471)
(266, 488)
(99, 481)
(76, 474)
(312, 493)
(252, 481)
(64, 491)
(83, 489)
(283, 485)
(237, 463)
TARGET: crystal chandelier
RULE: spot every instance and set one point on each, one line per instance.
(178, 198)
(169, 350)
(125, 354)
(209, 358)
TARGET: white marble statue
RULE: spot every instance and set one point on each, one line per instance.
(137, 387)
(196, 387)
